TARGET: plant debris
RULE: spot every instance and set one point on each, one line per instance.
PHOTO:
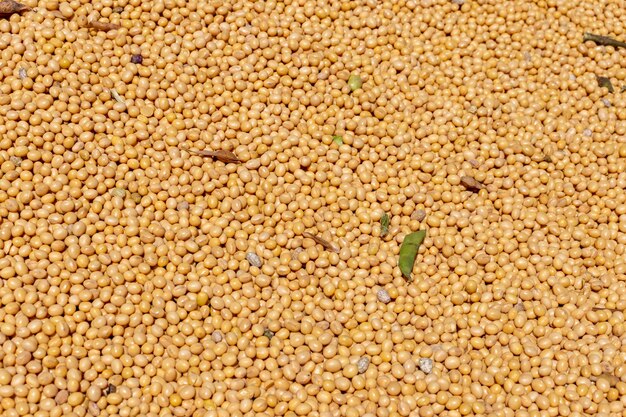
(326, 244)
(603, 40)
(605, 82)
(222, 155)
(103, 26)
(268, 333)
(408, 252)
(338, 140)
(9, 7)
(471, 184)
(384, 225)
(116, 96)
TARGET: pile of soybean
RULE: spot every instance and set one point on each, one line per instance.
(140, 277)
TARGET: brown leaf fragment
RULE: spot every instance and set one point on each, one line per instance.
(223, 156)
(605, 82)
(9, 7)
(471, 184)
(103, 26)
(328, 245)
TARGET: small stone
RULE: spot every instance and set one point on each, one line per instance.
(136, 59)
(471, 184)
(418, 215)
(383, 296)
(268, 333)
(217, 336)
(22, 73)
(426, 365)
(183, 206)
(363, 364)
(254, 259)
(587, 132)
(110, 389)
(458, 2)
(606, 102)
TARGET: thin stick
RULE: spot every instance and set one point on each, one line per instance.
(603, 40)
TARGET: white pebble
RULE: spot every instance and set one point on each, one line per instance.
(383, 296)
(426, 365)
(363, 364)
(254, 259)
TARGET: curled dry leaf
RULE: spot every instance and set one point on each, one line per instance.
(9, 7)
(328, 245)
(103, 26)
(221, 155)
(471, 184)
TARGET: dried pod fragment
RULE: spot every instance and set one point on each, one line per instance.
(9, 7)
(328, 245)
(103, 26)
(471, 184)
(221, 155)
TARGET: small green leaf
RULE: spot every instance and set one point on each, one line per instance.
(338, 140)
(408, 252)
(384, 225)
(605, 82)
(354, 82)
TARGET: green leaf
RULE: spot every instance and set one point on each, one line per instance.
(338, 140)
(354, 82)
(408, 252)
(384, 225)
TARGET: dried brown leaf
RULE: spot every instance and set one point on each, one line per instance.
(9, 7)
(103, 26)
(223, 156)
(328, 245)
(471, 184)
